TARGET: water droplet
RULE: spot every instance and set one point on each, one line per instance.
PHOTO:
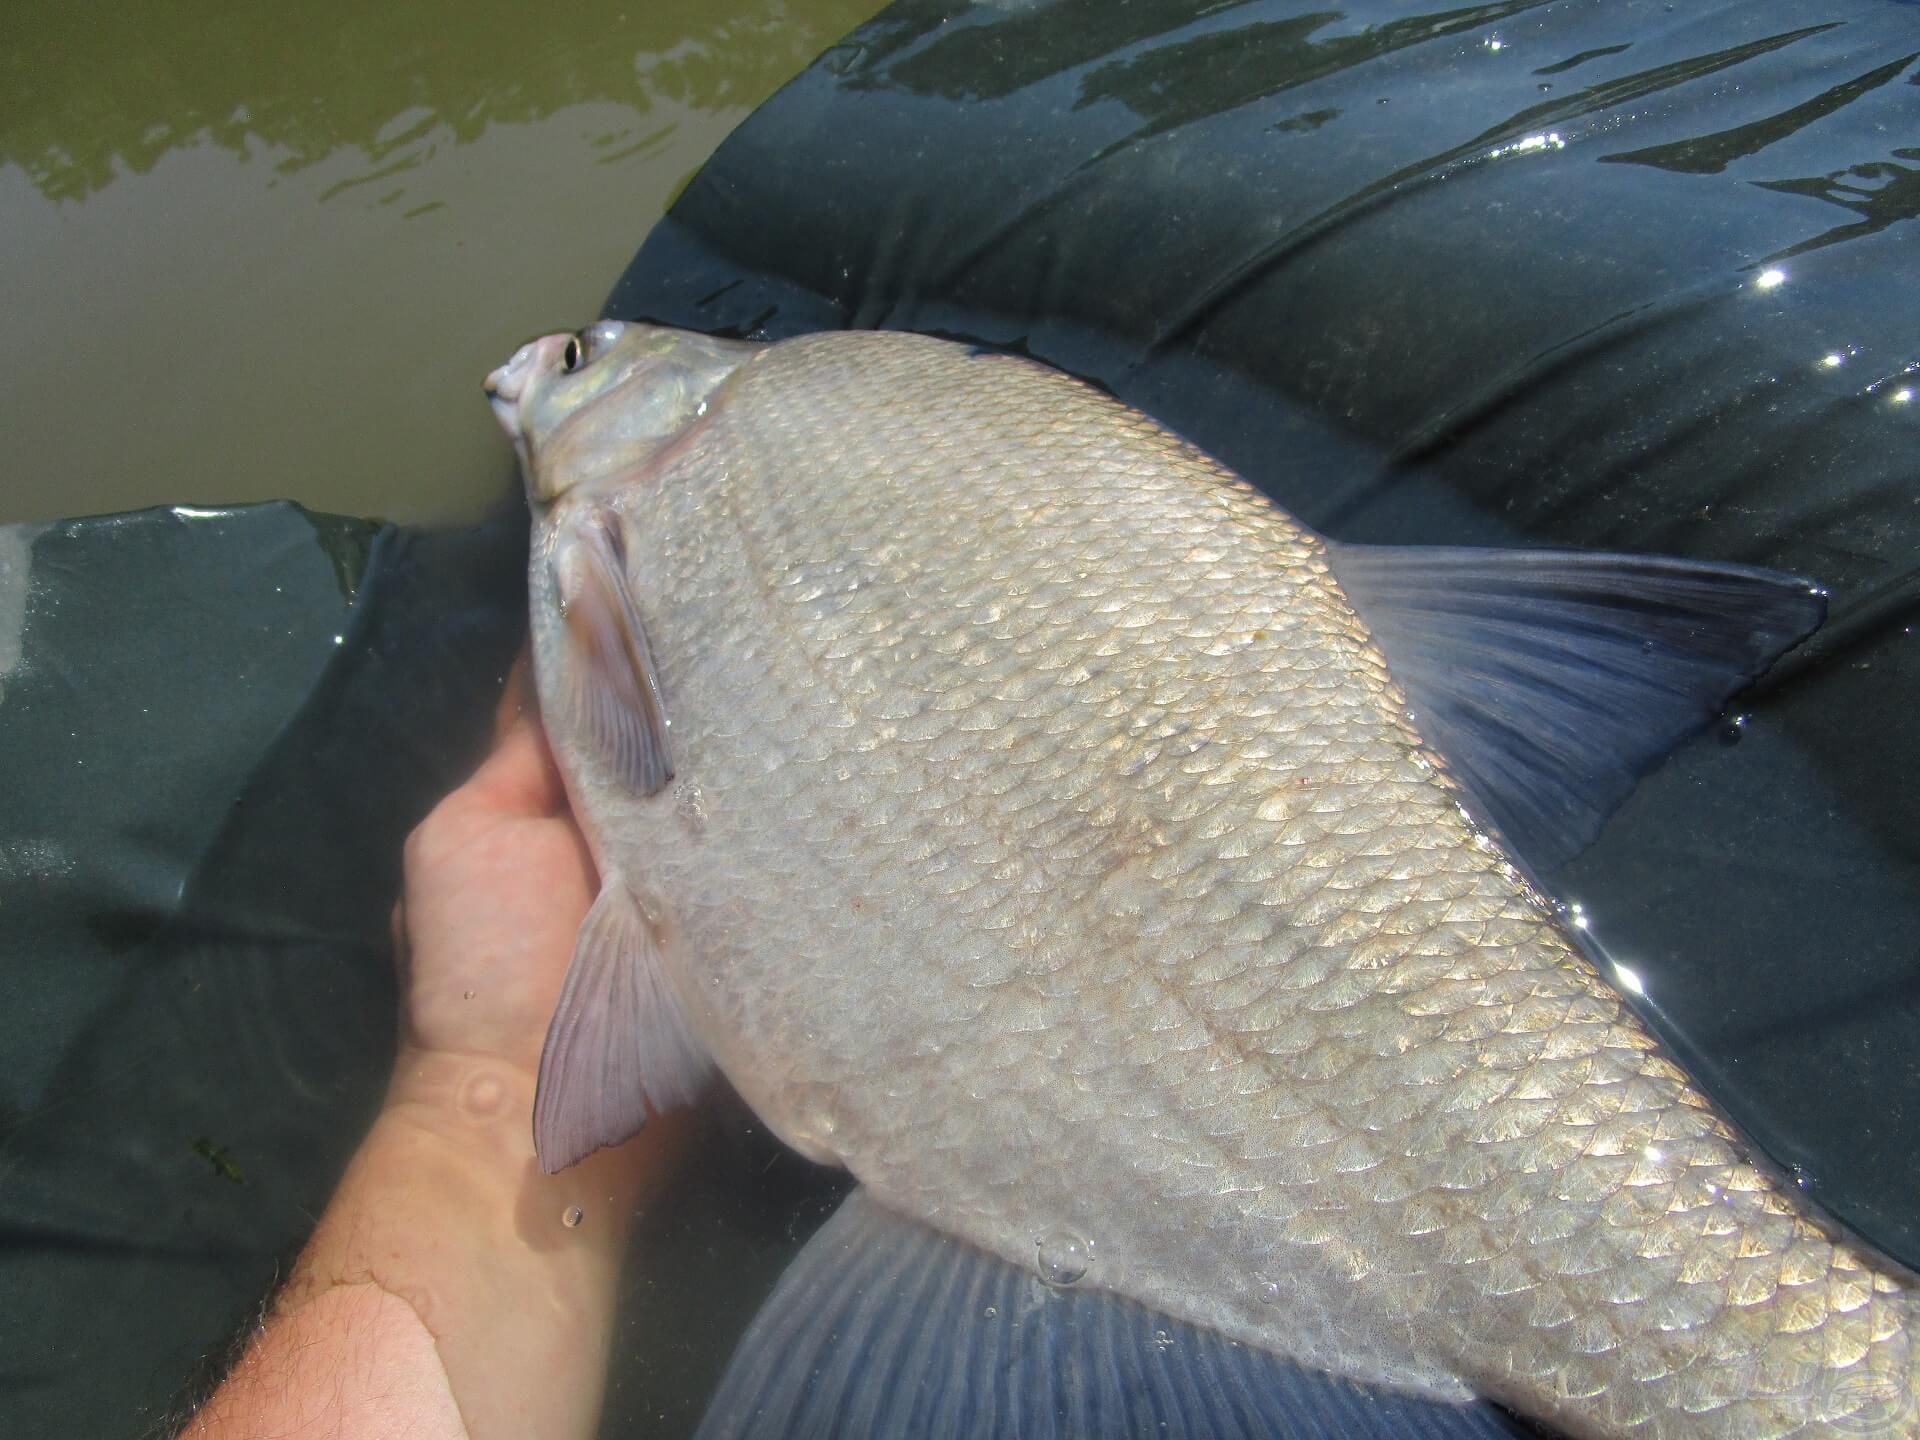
(991, 1312)
(1731, 732)
(1544, 88)
(691, 806)
(1269, 1292)
(1064, 1256)
(573, 1216)
(842, 59)
(1162, 1341)
(466, 994)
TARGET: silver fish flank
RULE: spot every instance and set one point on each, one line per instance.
(1026, 814)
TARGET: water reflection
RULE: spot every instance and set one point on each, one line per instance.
(222, 218)
(87, 95)
(991, 61)
(1706, 154)
(1264, 59)
(1880, 192)
(1631, 85)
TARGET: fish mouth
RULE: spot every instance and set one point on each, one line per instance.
(506, 411)
(505, 385)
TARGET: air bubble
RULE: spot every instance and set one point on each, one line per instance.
(991, 1312)
(691, 806)
(573, 1216)
(1269, 1292)
(1064, 1256)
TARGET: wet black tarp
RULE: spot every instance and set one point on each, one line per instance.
(204, 787)
(1603, 273)
(1632, 275)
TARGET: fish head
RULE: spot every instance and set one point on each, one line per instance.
(597, 403)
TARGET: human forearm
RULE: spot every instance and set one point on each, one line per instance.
(443, 1287)
(354, 1361)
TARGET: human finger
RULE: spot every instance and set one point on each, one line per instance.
(402, 947)
(517, 698)
(519, 778)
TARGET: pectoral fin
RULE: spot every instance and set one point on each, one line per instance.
(612, 687)
(885, 1327)
(618, 1042)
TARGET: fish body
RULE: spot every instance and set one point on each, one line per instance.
(1031, 823)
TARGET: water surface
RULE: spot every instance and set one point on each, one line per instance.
(262, 252)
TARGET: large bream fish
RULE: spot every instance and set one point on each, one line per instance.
(1118, 879)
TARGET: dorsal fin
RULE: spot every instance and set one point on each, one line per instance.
(1551, 680)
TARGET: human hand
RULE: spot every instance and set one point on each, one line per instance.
(450, 1287)
(496, 882)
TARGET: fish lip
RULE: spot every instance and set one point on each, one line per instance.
(505, 409)
(509, 381)
(506, 386)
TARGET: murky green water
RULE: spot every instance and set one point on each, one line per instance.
(252, 252)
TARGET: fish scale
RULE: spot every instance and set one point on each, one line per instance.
(1068, 859)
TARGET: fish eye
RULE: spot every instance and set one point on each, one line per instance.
(570, 357)
(600, 335)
